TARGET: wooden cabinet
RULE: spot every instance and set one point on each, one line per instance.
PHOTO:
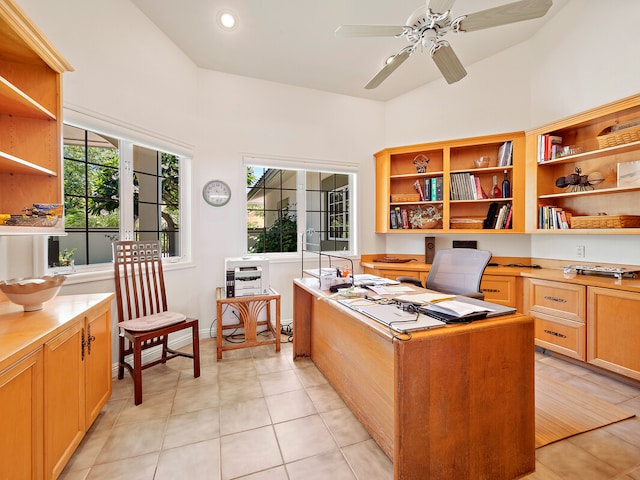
(582, 148)
(55, 377)
(64, 392)
(21, 401)
(450, 170)
(559, 313)
(614, 330)
(77, 385)
(30, 118)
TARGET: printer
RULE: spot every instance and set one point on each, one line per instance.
(246, 276)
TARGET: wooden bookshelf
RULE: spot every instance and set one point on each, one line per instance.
(450, 161)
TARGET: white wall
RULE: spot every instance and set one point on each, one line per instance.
(241, 116)
(127, 72)
(583, 57)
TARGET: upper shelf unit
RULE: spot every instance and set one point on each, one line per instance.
(584, 172)
(438, 187)
(30, 118)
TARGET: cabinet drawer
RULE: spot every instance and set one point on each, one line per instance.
(555, 298)
(559, 335)
(499, 289)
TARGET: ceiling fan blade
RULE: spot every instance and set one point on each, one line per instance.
(448, 63)
(389, 68)
(369, 30)
(509, 13)
(440, 6)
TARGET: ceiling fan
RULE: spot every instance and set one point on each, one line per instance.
(427, 26)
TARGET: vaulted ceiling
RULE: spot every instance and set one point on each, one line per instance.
(293, 41)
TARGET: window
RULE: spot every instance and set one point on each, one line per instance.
(114, 189)
(283, 202)
(338, 220)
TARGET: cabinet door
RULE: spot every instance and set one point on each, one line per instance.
(614, 330)
(21, 418)
(64, 398)
(97, 364)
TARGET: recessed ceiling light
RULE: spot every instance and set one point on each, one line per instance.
(227, 20)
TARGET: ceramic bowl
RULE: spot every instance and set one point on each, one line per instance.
(31, 293)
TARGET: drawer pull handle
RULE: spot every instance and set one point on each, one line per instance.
(492, 290)
(555, 299)
(555, 334)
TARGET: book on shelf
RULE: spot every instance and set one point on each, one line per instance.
(404, 217)
(439, 188)
(418, 188)
(393, 220)
(505, 154)
(472, 187)
(427, 189)
(492, 213)
(480, 193)
(436, 189)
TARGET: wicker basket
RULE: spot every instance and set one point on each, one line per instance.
(405, 197)
(606, 221)
(619, 137)
(466, 222)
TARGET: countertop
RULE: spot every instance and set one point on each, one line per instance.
(23, 332)
(549, 270)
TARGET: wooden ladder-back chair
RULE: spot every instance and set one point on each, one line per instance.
(144, 319)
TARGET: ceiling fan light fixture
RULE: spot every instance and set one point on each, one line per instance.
(227, 20)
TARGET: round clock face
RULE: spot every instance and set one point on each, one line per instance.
(216, 193)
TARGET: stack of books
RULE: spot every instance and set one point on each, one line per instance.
(499, 217)
(549, 147)
(551, 217)
(465, 186)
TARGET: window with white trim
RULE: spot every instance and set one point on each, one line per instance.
(282, 202)
(115, 189)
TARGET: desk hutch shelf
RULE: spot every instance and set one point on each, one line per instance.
(451, 164)
(598, 143)
(30, 118)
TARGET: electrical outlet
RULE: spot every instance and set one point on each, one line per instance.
(580, 249)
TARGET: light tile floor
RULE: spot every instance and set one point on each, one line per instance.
(258, 415)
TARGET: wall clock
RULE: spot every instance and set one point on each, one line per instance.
(216, 193)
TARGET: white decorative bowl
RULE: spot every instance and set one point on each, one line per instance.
(31, 293)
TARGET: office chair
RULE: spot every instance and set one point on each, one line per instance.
(144, 319)
(456, 271)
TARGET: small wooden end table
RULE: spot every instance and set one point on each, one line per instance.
(249, 309)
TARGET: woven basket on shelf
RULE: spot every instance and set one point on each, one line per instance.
(619, 137)
(464, 222)
(606, 221)
(405, 197)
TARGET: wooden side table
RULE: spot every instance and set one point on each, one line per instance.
(249, 310)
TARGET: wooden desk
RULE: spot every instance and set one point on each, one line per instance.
(451, 403)
(249, 310)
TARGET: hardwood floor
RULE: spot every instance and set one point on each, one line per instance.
(257, 415)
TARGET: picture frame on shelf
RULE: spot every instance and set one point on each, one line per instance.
(628, 174)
